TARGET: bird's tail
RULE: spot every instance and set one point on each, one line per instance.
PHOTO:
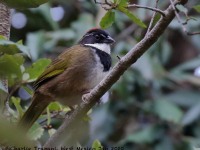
(39, 103)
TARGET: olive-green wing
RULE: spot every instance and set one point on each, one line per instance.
(60, 64)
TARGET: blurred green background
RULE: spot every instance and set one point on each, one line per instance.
(155, 105)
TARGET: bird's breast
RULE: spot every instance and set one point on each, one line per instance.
(101, 68)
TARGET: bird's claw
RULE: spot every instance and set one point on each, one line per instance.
(85, 98)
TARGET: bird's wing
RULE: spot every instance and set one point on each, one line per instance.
(59, 65)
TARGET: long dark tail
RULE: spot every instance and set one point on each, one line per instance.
(39, 103)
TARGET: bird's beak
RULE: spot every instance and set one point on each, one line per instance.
(109, 40)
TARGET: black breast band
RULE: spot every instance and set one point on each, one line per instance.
(105, 59)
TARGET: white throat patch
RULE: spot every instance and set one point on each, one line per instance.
(101, 46)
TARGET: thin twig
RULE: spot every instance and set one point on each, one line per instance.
(131, 57)
(146, 7)
(113, 5)
(152, 19)
(12, 91)
(101, 3)
(104, 4)
(183, 24)
(52, 116)
(6, 103)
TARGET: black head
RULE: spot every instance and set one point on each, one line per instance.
(97, 36)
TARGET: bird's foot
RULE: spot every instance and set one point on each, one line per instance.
(85, 98)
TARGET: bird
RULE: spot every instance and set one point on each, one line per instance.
(75, 72)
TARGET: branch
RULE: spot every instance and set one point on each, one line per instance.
(152, 19)
(5, 31)
(113, 6)
(183, 24)
(6, 101)
(131, 57)
(4, 20)
(105, 5)
(146, 7)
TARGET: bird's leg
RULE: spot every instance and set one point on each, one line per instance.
(85, 96)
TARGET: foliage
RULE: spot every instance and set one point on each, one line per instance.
(23, 3)
(121, 5)
(155, 104)
(108, 19)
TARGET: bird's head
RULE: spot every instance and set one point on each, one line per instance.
(97, 38)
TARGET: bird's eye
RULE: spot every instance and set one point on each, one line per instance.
(97, 37)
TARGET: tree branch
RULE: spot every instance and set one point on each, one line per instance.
(5, 31)
(146, 7)
(107, 6)
(183, 24)
(131, 57)
(4, 20)
(152, 19)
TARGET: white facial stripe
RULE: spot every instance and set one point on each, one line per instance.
(88, 34)
(101, 46)
(103, 35)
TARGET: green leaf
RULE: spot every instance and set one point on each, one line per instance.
(54, 106)
(108, 19)
(10, 47)
(22, 4)
(20, 42)
(131, 16)
(16, 102)
(123, 3)
(37, 68)
(35, 132)
(10, 65)
(168, 111)
(146, 135)
(97, 145)
(197, 8)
